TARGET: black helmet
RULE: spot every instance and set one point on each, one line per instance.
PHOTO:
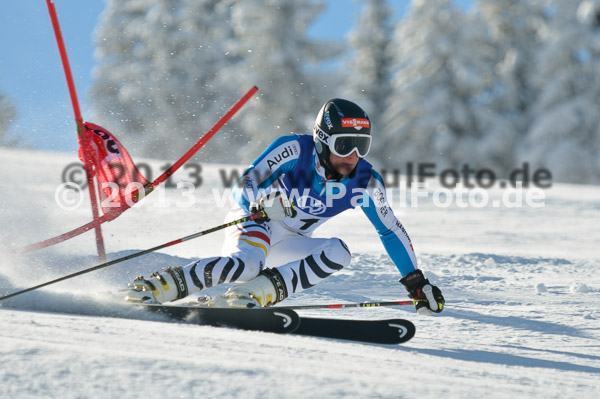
(341, 128)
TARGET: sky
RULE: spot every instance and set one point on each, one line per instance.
(31, 74)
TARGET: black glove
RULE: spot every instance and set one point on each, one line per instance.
(256, 208)
(427, 298)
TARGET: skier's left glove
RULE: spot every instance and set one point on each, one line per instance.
(273, 206)
(427, 297)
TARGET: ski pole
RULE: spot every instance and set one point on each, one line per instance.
(350, 305)
(140, 253)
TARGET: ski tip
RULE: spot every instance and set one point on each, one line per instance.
(390, 331)
(404, 329)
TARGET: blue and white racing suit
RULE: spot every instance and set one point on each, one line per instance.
(290, 164)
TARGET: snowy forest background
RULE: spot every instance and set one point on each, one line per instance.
(502, 83)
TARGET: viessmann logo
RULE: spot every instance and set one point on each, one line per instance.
(357, 123)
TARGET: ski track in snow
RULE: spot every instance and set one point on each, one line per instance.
(521, 318)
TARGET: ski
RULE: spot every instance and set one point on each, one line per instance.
(260, 319)
(283, 320)
(390, 331)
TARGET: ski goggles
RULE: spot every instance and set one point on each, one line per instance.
(345, 144)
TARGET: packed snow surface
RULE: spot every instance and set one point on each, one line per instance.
(522, 290)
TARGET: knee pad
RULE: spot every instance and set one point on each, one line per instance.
(336, 250)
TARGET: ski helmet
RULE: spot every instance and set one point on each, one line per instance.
(341, 127)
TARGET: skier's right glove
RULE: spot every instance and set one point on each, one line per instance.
(273, 206)
(427, 298)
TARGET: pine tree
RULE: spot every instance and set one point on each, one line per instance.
(516, 27)
(270, 49)
(564, 135)
(368, 77)
(158, 64)
(437, 111)
(169, 68)
(119, 96)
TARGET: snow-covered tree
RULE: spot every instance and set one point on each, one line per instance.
(368, 76)
(437, 111)
(168, 69)
(516, 28)
(119, 95)
(158, 62)
(270, 49)
(564, 135)
(8, 113)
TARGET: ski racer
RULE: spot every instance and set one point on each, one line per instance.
(298, 183)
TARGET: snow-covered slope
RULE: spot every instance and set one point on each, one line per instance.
(522, 288)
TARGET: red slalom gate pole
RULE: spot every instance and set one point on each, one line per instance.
(78, 120)
(65, 60)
